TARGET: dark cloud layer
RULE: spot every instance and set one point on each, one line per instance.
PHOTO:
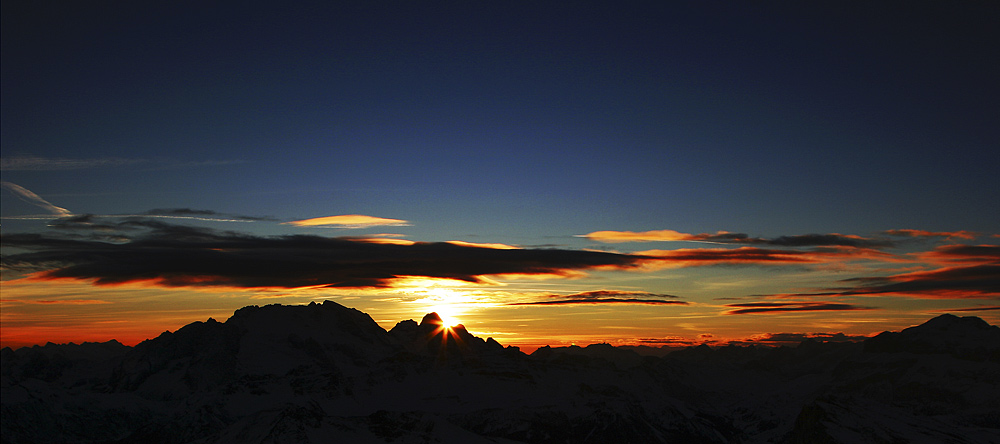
(175, 255)
(977, 281)
(607, 297)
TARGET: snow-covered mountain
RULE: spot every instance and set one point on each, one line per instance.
(328, 373)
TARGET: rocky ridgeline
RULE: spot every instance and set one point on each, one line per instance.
(328, 373)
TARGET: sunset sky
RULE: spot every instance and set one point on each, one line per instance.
(637, 172)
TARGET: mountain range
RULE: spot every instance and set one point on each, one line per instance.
(329, 373)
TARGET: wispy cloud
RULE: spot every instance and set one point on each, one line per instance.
(32, 163)
(781, 307)
(34, 199)
(725, 237)
(206, 215)
(607, 297)
(349, 221)
(58, 301)
(37, 163)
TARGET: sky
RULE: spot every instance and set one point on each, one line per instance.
(635, 172)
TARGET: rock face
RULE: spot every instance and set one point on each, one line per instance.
(328, 373)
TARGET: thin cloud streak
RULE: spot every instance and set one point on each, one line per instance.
(603, 301)
(35, 163)
(782, 307)
(990, 308)
(607, 297)
(32, 163)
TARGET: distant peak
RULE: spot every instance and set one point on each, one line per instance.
(950, 321)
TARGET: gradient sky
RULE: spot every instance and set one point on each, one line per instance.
(622, 172)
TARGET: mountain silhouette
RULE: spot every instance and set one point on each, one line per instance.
(329, 373)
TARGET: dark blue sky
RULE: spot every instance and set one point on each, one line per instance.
(526, 123)
(630, 115)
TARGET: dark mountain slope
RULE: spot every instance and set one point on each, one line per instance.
(328, 373)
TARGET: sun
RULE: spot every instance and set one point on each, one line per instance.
(448, 298)
(446, 313)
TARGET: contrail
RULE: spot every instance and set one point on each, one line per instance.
(34, 199)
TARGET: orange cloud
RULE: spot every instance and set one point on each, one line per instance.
(348, 221)
(643, 236)
(383, 240)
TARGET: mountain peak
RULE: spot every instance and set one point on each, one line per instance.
(967, 337)
(950, 322)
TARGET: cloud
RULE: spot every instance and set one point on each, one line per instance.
(32, 163)
(922, 233)
(692, 257)
(348, 221)
(976, 281)
(35, 163)
(725, 237)
(131, 222)
(781, 307)
(794, 339)
(59, 301)
(206, 215)
(963, 254)
(85, 222)
(607, 297)
(483, 245)
(979, 281)
(832, 239)
(987, 308)
(644, 236)
(176, 255)
(34, 199)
